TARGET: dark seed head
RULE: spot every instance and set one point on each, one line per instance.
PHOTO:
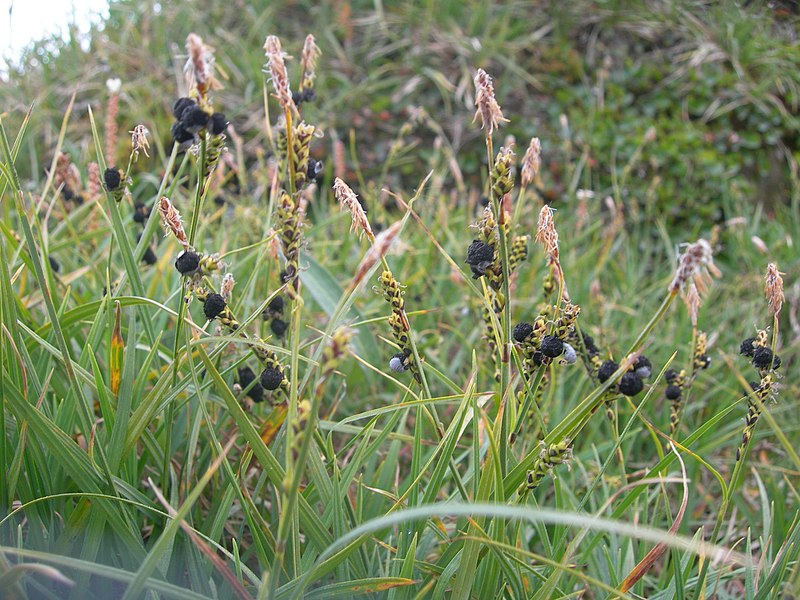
(54, 264)
(606, 370)
(479, 256)
(271, 378)
(297, 98)
(763, 358)
(78, 199)
(278, 327)
(642, 367)
(214, 304)
(67, 193)
(552, 346)
(522, 331)
(180, 105)
(314, 171)
(112, 178)
(746, 348)
(538, 358)
(246, 377)
(588, 342)
(673, 392)
(309, 95)
(140, 212)
(187, 262)
(630, 384)
(671, 375)
(180, 134)
(149, 257)
(193, 118)
(399, 362)
(217, 124)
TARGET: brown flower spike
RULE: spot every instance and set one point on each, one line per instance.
(532, 161)
(696, 265)
(171, 219)
(348, 199)
(773, 288)
(276, 67)
(488, 109)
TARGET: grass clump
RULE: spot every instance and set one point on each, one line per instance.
(228, 412)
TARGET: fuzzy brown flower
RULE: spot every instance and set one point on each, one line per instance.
(348, 199)
(488, 109)
(171, 219)
(532, 161)
(276, 67)
(696, 264)
(773, 288)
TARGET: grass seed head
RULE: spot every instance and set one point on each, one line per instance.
(695, 265)
(488, 111)
(348, 199)
(532, 161)
(276, 67)
(773, 288)
(171, 220)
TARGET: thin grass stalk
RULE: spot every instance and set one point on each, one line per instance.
(742, 453)
(182, 308)
(505, 325)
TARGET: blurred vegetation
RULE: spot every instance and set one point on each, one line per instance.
(718, 83)
(681, 117)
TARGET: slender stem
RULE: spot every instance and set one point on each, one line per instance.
(168, 424)
(505, 321)
(735, 474)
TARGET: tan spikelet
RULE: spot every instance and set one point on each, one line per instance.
(532, 161)
(348, 199)
(773, 288)
(488, 111)
(276, 67)
(171, 219)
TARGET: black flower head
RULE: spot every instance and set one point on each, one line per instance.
(552, 346)
(309, 95)
(606, 370)
(149, 257)
(538, 358)
(54, 264)
(112, 178)
(630, 384)
(479, 256)
(180, 134)
(193, 118)
(588, 342)
(671, 375)
(314, 171)
(187, 262)
(278, 327)
(764, 359)
(642, 367)
(522, 331)
(673, 392)
(180, 105)
(276, 305)
(213, 305)
(140, 212)
(399, 362)
(246, 377)
(746, 348)
(217, 124)
(271, 378)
